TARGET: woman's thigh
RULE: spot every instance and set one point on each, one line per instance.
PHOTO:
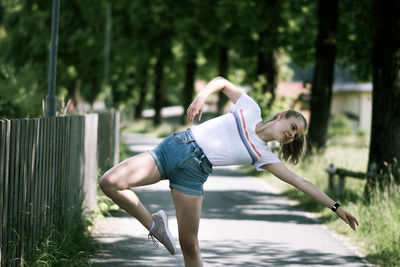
(188, 211)
(135, 171)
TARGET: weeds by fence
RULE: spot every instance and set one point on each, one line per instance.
(47, 166)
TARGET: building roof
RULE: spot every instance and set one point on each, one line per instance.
(352, 87)
(292, 89)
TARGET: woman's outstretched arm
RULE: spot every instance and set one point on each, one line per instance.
(215, 85)
(283, 173)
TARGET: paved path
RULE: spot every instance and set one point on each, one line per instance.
(245, 222)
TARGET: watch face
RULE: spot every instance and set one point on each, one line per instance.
(335, 206)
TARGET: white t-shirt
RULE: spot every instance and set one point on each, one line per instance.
(231, 139)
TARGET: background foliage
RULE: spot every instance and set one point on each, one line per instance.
(142, 32)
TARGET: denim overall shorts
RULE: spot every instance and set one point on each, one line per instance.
(180, 160)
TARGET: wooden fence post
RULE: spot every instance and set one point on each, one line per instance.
(90, 143)
(340, 187)
(116, 136)
(331, 179)
(3, 143)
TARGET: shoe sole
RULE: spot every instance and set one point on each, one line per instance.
(165, 220)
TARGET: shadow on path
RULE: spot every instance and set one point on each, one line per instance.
(218, 253)
(258, 253)
(228, 205)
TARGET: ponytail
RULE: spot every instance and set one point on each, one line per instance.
(295, 150)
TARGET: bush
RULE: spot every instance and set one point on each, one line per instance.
(22, 97)
(340, 125)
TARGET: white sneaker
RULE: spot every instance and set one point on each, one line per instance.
(161, 232)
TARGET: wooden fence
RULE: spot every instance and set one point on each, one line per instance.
(48, 167)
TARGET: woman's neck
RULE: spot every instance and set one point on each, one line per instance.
(264, 131)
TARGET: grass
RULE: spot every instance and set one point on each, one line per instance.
(70, 245)
(378, 236)
(65, 241)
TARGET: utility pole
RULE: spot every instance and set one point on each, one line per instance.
(51, 99)
(107, 37)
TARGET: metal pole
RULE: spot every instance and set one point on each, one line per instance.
(107, 37)
(51, 99)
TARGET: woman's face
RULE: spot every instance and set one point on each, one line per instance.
(286, 130)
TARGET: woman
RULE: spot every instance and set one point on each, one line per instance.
(186, 159)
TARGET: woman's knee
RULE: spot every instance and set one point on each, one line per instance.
(190, 247)
(109, 182)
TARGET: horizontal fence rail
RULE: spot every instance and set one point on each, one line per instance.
(48, 167)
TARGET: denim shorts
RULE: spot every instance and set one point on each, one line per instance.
(180, 160)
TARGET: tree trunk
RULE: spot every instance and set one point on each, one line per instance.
(268, 67)
(142, 84)
(95, 90)
(1, 13)
(385, 128)
(188, 89)
(158, 90)
(223, 72)
(321, 91)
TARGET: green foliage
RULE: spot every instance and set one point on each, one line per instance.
(142, 31)
(355, 37)
(262, 99)
(382, 226)
(70, 245)
(67, 248)
(18, 96)
(340, 125)
(105, 204)
(341, 132)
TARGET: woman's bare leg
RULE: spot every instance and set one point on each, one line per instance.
(136, 171)
(188, 210)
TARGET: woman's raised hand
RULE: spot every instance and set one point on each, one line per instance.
(347, 217)
(195, 107)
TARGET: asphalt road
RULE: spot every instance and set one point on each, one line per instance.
(245, 222)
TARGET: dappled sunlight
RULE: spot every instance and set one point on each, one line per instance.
(265, 253)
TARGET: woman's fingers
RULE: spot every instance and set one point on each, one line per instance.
(200, 113)
(352, 221)
(195, 107)
(191, 113)
(348, 218)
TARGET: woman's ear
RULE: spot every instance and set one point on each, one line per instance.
(281, 116)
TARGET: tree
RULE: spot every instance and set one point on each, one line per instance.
(189, 33)
(321, 90)
(354, 32)
(384, 151)
(162, 12)
(268, 46)
(225, 17)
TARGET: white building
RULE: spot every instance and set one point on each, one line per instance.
(354, 100)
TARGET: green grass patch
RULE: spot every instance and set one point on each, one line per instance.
(378, 236)
(146, 126)
(70, 245)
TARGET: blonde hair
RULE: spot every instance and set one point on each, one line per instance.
(293, 151)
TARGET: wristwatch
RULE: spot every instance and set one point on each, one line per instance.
(335, 206)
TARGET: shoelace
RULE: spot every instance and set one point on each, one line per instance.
(153, 238)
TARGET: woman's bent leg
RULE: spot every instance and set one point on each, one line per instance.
(188, 210)
(136, 171)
